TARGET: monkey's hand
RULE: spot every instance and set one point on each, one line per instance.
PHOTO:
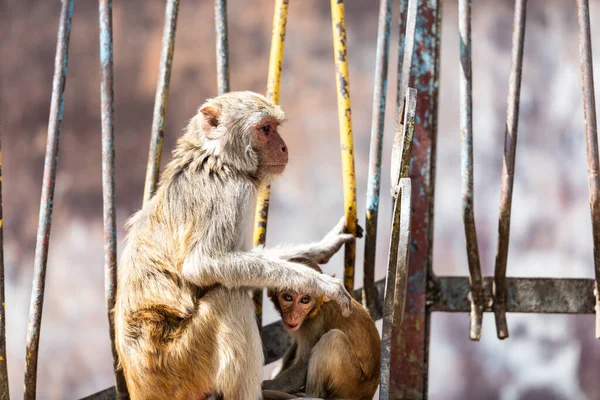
(334, 240)
(334, 289)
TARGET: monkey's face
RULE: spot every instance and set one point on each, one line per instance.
(271, 149)
(294, 309)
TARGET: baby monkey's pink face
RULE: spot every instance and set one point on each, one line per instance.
(294, 309)
(271, 148)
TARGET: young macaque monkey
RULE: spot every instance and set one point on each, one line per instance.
(185, 326)
(332, 356)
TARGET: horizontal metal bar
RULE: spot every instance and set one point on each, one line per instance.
(523, 295)
(451, 294)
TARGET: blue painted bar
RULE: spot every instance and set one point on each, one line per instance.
(377, 126)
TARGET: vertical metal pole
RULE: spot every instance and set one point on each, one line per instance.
(377, 124)
(409, 360)
(108, 179)
(397, 273)
(222, 46)
(591, 131)
(161, 99)
(508, 167)
(406, 46)
(273, 84)
(47, 198)
(466, 133)
(4, 393)
(405, 56)
(347, 144)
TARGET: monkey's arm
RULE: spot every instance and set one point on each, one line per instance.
(292, 380)
(254, 269)
(319, 252)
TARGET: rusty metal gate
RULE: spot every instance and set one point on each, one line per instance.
(410, 292)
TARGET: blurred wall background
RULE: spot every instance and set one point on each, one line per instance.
(546, 357)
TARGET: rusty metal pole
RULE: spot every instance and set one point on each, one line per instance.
(108, 180)
(377, 125)
(508, 167)
(591, 131)
(409, 360)
(273, 84)
(397, 271)
(4, 393)
(466, 133)
(47, 198)
(342, 81)
(222, 46)
(161, 100)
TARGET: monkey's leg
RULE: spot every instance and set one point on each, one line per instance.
(285, 361)
(333, 369)
(277, 395)
(291, 380)
(238, 350)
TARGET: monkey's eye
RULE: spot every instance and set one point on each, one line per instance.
(265, 129)
(305, 300)
(287, 297)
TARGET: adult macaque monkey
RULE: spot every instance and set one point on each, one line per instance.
(184, 316)
(332, 357)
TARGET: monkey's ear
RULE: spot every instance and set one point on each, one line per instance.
(326, 299)
(211, 115)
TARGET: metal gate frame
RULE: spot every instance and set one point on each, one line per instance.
(417, 292)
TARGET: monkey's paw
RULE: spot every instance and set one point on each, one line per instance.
(335, 290)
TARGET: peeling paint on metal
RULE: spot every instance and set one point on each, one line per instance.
(508, 167)
(466, 133)
(161, 99)
(346, 139)
(376, 148)
(108, 180)
(46, 201)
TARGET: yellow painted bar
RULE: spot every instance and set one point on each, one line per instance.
(347, 144)
(273, 85)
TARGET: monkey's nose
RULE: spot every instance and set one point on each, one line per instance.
(284, 149)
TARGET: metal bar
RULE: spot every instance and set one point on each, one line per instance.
(4, 392)
(508, 166)
(377, 125)
(395, 286)
(342, 81)
(108, 179)
(451, 294)
(161, 99)
(409, 360)
(47, 198)
(397, 273)
(222, 46)
(405, 53)
(591, 132)
(273, 85)
(523, 295)
(466, 133)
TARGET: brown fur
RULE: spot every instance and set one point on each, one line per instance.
(332, 357)
(184, 317)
